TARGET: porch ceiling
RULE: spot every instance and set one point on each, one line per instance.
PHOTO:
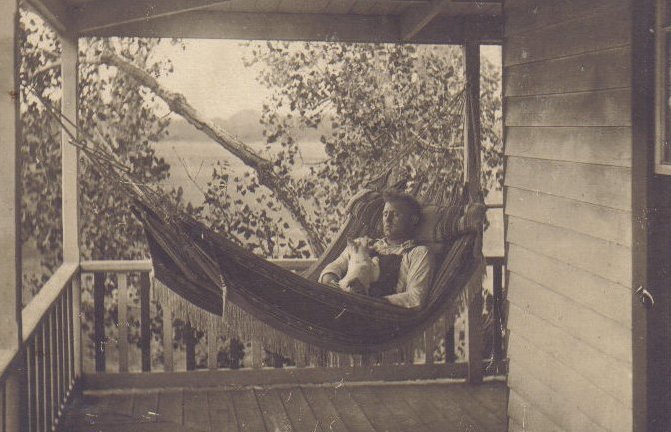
(421, 21)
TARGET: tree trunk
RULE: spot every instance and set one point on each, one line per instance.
(263, 167)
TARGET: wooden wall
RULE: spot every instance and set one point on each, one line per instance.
(567, 89)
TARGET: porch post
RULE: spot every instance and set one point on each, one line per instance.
(10, 214)
(10, 249)
(474, 336)
(70, 181)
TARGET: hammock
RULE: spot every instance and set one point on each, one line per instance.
(210, 278)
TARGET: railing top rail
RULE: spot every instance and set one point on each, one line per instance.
(117, 266)
(37, 308)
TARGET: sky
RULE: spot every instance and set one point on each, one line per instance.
(212, 75)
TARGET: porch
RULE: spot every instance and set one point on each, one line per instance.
(79, 381)
(428, 406)
(63, 370)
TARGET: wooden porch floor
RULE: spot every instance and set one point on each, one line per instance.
(379, 407)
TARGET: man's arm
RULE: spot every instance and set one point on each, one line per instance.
(337, 268)
(420, 271)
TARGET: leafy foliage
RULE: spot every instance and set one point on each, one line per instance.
(380, 106)
(114, 109)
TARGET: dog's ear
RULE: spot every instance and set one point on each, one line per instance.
(350, 243)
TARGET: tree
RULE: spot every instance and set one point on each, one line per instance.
(115, 108)
(381, 106)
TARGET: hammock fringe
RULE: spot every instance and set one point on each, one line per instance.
(236, 323)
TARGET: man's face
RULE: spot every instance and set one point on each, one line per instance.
(397, 221)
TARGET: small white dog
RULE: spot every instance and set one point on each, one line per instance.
(362, 270)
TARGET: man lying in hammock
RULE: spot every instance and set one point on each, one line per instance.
(405, 267)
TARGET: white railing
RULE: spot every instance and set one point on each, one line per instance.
(122, 280)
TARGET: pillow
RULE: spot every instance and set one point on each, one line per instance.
(439, 225)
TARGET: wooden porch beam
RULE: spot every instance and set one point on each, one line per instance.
(306, 27)
(259, 26)
(55, 12)
(416, 19)
(104, 14)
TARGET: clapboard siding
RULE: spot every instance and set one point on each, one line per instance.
(574, 353)
(603, 296)
(524, 419)
(526, 15)
(603, 185)
(597, 70)
(608, 29)
(606, 259)
(542, 404)
(593, 220)
(567, 99)
(582, 397)
(599, 332)
(597, 108)
(595, 145)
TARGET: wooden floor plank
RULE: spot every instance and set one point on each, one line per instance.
(170, 406)
(276, 419)
(444, 397)
(434, 419)
(350, 412)
(145, 406)
(247, 411)
(402, 412)
(379, 415)
(476, 410)
(494, 397)
(196, 410)
(222, 412)
(425, 407)
(119, 408)
(298, 410)
(89, 410)
(324, 410)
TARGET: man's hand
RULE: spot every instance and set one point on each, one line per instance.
(330, 279)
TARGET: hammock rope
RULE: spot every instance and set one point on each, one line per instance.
(210, 280)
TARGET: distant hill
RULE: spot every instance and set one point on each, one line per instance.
(244, 124)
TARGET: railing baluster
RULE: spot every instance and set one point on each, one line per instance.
(212, 345)
(63, 350)
(450, 354)
(122, 324)
(429, 344)
(39, 381)
(145, 323)
(99, 319)
(497, 280)
(256, 354)
(55, 360)
(474, 338)
(53, 371)
(190, 345)
(31, 384)
(74, 327)
(168, 362)
(47, 374)
(67, 341)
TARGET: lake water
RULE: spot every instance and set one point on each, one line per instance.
(193, 162)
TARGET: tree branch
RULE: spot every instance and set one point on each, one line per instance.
(263, 167)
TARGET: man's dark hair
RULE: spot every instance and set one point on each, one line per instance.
(406, 200)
